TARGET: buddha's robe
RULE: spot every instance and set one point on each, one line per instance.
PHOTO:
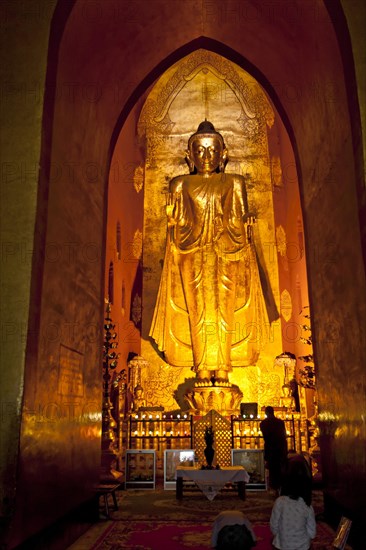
(209, 309)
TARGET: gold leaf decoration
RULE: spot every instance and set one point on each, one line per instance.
(137, 244)
(136, 309)
(138, 178)
(286, 305)
(281, 240)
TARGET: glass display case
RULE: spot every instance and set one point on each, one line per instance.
(253, 462)
(160, 431)
(172, 459)
(140, 469)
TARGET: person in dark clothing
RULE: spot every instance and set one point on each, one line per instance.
(275, 447)
(232, 531)
(298, 469)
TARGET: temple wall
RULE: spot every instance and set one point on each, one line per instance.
(125, 199)
(23, 74)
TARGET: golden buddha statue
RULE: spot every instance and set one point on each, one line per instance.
(209, 306)
(138, 399)
(287, 399)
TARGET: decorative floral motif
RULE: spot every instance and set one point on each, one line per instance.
(138, 179)
(286, 305)
(136, 310)
(281, 240)
(137, 244)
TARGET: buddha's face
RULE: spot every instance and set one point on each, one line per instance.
(206, 153)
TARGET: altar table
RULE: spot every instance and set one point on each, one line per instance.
(212, 481)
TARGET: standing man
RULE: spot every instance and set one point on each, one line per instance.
(275, 447)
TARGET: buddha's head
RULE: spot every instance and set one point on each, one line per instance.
(206, 150)
(138, 391)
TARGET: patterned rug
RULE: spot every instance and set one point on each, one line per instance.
(155, 520)
(165, 535)
(160, 504)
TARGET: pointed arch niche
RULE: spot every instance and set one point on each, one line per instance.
(207, 85)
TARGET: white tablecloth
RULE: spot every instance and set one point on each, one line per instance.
(212, 481)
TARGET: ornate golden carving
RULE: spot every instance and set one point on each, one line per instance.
(287, 399)
(268, 389)
(281, 240)
(136, 309)
(286, 305)
(155, 124)
(224, 398)
(159, 384)
(253, 100)
(138, 178)
(138, 398)
(137, 244)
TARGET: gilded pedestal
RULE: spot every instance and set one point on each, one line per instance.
(223, 397)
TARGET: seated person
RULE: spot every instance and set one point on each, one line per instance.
(292, 519)
(232, 531)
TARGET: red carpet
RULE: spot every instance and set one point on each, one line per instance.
(154, 520)
(157, 535)
(154, 535)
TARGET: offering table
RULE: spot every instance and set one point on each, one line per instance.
(210, 482)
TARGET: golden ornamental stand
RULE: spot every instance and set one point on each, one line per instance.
(110, 361)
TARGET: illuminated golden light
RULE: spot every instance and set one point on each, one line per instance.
(340, 431)
(328, 417)
(224, 72)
